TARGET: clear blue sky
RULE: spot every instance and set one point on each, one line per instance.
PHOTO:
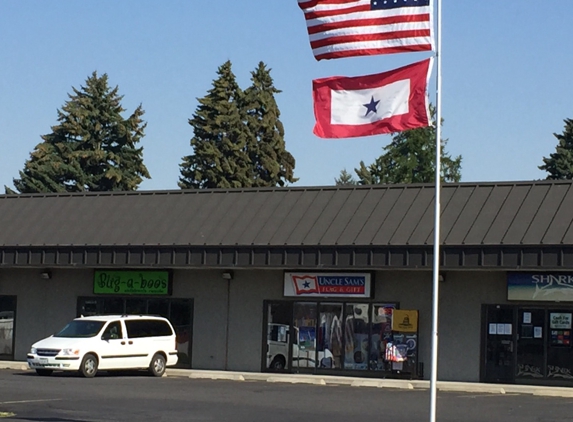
(507, 83)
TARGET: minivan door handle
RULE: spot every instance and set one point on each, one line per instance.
(123, 343)
(130, 342)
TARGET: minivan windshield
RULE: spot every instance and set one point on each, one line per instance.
(81, 328)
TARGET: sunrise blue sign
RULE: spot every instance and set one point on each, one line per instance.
(542, 287)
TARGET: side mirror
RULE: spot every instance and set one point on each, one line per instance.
(106, 336)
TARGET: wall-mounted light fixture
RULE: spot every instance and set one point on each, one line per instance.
(228, 275)
(46, 274)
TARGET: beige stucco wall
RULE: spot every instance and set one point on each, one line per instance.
(461, 297)
(209, 293)
(248, 291)
(43, 306)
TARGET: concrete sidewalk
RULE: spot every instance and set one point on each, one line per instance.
(468, 387)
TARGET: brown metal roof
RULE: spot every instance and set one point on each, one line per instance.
(505, 224)
(530, 213)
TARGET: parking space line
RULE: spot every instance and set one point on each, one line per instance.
(28, 401)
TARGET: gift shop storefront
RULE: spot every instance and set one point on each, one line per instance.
(331, 323)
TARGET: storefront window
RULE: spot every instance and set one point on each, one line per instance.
(540, 349)
(559, 353)
(315, 336)
(279, 316)
(304, 342)
(330, 339)
(7, 314)
(158, 307)
(136, 306)
(356, 335)
(113, 306)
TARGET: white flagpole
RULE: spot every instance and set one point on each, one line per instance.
(436, 272)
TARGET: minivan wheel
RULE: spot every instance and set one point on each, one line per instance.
(278, 363)
(44, 372)
(157, 365)
(89, 366)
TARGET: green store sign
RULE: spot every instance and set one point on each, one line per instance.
(157, 283)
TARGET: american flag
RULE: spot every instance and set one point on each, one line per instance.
(346, 28)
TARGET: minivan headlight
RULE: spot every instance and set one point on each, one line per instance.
(70, 352)
(33, 351)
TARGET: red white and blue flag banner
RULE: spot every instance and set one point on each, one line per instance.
(327, 284)
(389, 102)
(346, 28)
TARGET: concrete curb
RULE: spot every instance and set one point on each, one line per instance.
(18, 366)
(449, 386)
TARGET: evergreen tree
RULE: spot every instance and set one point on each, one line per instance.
(220, 158)
(271, 164)
(410, 158)
(92, 148)
(559, 165)
(345, 179)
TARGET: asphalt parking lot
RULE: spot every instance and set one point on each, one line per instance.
(24, 396)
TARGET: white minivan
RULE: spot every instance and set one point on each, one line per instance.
(107, 342)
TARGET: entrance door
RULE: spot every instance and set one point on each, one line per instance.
(330, 335)
(7, 319)
(304, 353)
(181, 316)
(530, 344)
(499, 344)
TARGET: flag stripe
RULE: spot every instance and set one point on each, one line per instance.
(411, 35)
(314, 18)
(369, 48)
(370, 52)
(371, 24)
(335, 23)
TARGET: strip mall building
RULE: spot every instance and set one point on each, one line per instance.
(326, 280)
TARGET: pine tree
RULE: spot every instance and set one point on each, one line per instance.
(345, 179)
(92, 148)
(410, 158)
(272, 164)
(220, 158)
(559, 165)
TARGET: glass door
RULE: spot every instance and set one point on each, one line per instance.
(530, 343)
(330, 338)
(181, 316)
(357, 336)
(7, 323)
(304, 353)
(499, 350)
(381, 336)
(279, 344)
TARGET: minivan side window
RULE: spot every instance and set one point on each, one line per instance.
(113, 330)
(147, 328)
